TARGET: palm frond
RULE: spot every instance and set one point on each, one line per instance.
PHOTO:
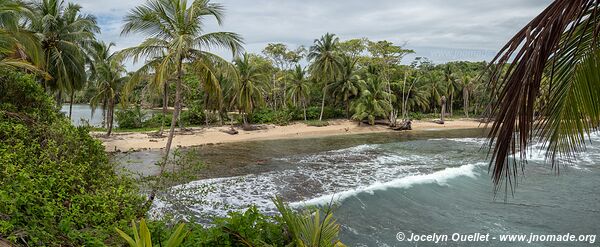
(560, 45)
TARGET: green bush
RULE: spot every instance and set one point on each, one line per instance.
(266, 115)
(194, 115)
(237, 229)
(156, 120)
(57, 187)
(314, 112)
(317, 123)
(130, 118)
(415, 115)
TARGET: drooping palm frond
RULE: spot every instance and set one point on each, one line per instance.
(558, 47)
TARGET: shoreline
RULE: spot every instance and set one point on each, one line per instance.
(199, 136)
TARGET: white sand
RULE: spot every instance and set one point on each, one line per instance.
(214, 135)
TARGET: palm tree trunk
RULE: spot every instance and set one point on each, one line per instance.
(71, 104)
(152, 194)
(104, 105)
(443, 109)
(111, 112)
(304, 107)
(451, 104)
(466, 102)
(323, 104)
(165, 107)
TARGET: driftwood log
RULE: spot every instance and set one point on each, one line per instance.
(406, 125)
(230, 131)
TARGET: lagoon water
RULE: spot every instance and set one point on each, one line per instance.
(83, 113)
(386, 183)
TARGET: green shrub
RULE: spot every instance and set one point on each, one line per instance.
(194, 115)
(250, 227)
(130, 118)
(415, 115)
(156, 120)
(316, 123)
(261, 116)
(57, 187)
(278, 117)
(314, 112)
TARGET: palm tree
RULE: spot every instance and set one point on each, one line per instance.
(326, 62)
(65, 35)
(249, 87)
(155, 83)
(467, 83)
(373, 101)
(348, 83)
(299, 89)
(412, 93)
(558, 47)
(19, 47)
(212, 74)
(452, 86)
(109, 76)
(175, 31)
(436, 89)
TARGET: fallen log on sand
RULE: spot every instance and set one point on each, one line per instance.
(230, 131)
(406, 125)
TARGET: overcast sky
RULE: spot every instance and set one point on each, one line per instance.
(442, 30)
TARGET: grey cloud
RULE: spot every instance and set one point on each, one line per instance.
(457, 29)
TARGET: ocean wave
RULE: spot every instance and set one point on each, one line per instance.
(440, 177)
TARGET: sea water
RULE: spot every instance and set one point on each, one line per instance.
(383, 184)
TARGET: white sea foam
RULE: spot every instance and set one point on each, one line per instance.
(463, 140)
(440, 177)
(312, 176)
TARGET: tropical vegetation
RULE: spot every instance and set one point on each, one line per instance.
(58, 188)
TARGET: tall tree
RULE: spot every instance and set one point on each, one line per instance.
(347, 84)
(386, 55)
(108, 74)
(326, 63)
(175, 31)
(250, 86)
(299, 89)
(452, 86)
(468, 85)
(66, 35)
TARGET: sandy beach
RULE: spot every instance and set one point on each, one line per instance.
(132, 141)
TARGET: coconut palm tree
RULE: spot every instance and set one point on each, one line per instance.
(19, 47)
(558, 47)
(373, 101)
(413, 95)
(66, 34)
(348, 83)
(249, 87)
(326, 62)
(155, 82)
(436, 88)
(299, 89)
(175, 31)
(468, 85)
(452, 86)
(108, 74)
